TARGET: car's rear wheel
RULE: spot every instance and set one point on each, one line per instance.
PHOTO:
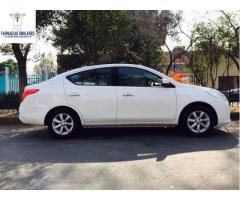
(197, 121)
(63, 123)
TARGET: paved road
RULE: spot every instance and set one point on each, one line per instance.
(129, 158)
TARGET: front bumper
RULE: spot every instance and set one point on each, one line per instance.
(223, 111)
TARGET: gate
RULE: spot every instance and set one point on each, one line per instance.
(226, 83)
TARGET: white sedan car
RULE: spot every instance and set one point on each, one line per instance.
(120, 95)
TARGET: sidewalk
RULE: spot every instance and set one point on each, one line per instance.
(9, 118)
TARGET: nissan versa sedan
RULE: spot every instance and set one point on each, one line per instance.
(120, 95)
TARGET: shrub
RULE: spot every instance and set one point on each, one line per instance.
(10, 100)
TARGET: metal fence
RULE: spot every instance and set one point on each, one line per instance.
(9, 102)
(11, 83)
(9, 93)
(35, 78)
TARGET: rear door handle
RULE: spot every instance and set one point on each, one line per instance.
(127, 95)
(74, 94)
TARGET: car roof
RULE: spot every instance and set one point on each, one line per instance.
(102, 65)
(80, 69)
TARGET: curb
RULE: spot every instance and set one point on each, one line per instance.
(7, 114)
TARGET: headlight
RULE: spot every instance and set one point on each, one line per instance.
(217, 94)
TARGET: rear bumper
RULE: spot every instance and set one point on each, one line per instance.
(29, 114)
(27, 120)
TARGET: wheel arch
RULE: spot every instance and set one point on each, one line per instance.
(195, 104)
(59, 108)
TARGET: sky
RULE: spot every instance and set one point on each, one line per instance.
(189, 19)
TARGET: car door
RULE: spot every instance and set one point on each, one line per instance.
(93, 94)
(142, 98)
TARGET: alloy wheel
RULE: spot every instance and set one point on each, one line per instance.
(62, 124)
(198, 122)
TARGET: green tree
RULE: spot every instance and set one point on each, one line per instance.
(215, 39)
(206, 40)
(93, 34)
(197, 65)
(113, 36)
(150, 31)
(227, 27)
(11, 64)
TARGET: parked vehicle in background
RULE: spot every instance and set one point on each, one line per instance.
(121, 95)
(232, 95)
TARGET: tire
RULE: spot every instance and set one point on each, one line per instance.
(197, 121)
(63, 123)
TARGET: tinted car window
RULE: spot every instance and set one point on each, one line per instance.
(129, 76)
(96, 77)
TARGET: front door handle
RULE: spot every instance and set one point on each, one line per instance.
(74, 94)
(128, 95)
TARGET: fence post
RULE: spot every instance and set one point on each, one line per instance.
(46, 71)
(6, 79)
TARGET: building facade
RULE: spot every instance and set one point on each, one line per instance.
(227, 74)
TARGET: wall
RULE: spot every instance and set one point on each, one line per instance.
(2, 83)
(233, 71)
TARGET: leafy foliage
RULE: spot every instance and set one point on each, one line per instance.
(227, 28)
(211, 40)
(113, 36)
(206, 43)
(11, 64)
(67, 62)
(94, 34)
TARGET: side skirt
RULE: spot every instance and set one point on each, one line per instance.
(127, 125)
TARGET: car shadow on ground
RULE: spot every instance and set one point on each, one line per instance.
(35, 145)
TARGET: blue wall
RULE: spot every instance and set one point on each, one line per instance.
(2, 83)
(14, 81)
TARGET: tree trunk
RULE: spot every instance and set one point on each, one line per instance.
(213, 82)
(147, 55)
(211, 75)
(236, 62)
(228, 67)
(21, 57)
(95, 58)
(172, 58)
(22, 75)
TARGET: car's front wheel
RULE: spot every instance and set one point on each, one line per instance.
(197, 121)
(63, 123)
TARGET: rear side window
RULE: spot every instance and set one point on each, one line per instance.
(129, 76)
(95, 77)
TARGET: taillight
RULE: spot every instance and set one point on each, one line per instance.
(28, 92)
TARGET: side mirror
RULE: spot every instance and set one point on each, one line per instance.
(166, 83)
(155, 84)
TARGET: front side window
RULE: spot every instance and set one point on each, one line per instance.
(95, 77)
(129, 76)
